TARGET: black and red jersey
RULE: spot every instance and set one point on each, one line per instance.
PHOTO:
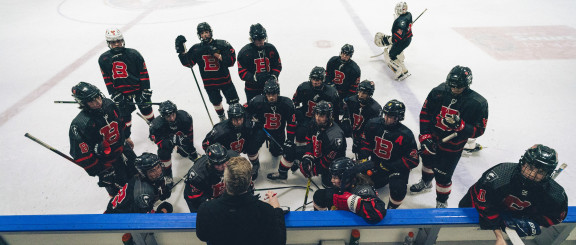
(359, 114)
(214, 72)
(160, 129)
(306, 98)
(469, 105)
(124, 72)
(274, 116)
(392, 146)
(253, 60)
(501, 190)
(137, 196)
(230, 137)
(402, 28)
(91, 127)
(344, 75)
(325, 145)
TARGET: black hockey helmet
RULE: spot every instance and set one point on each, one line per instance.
(366, 86)
(542, 157)
(236, 111)
(257, 32)
(271, 86)
(202, 27)
(217, 154)
(459, 77)
(324, 108)
(394, 108)
(342, 168)
(145, 162)
(347, 49)
(318, 73)
(167, 108)
(84, 92)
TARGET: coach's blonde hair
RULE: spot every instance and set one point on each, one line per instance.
(238, 175)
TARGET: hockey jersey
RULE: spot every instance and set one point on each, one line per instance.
(124, 72)
(345, 76)
(214, 72)
(252, 60)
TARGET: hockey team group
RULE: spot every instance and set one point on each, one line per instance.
(307, 133)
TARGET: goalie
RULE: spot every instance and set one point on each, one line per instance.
(394, 45)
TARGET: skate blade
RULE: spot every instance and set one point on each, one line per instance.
(404, 76)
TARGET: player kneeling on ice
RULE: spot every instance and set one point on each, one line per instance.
(205, 179)
(352, 191)
(522, 196)
(143, 190)
(174, 128)
(400, 40)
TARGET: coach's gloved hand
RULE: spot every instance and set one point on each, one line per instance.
(524, 227)
(180, 40)
(428, 146)
(453, 122)
(306, 166)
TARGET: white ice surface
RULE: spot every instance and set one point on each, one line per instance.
(48, 46)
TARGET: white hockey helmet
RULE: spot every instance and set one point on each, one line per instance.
(401, 8)
(113, 34)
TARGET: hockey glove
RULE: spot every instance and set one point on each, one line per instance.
(346, 201)
(165, 207)
(146, 95)
(119, 97)
(306, 166)
(453, 122)
(381, 40)
(524, 227)
(194, 156)
(103, 148)
(180, 40)
(261, 77)
(346, 126)
(428, 146)
(289, 149)
(178, 140)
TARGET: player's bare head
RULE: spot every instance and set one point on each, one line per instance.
(317, 76)
(365, 91)
(217, 157)
(258, 35)
(401, 8)
(149, 166)
(393, 112)
(346, 52)
(204, 32)
(323, 114)
(87, 95)
(236, 113)
(459, 79)
(238, 175)
(115, 39)
(537, 164)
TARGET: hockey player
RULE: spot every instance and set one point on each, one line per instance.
(97, 141)
(257, 62)
(205, 179)
(343, 72)
(522, 196)
(236, 133)
(143, 190)
(325, 142)
(275, 114)
(351, 191)
(392, 149)
(358, 110)
(307, 95)
(126, 77)
(213, 57)
(400, 40)
(174, 128)
(451, 109)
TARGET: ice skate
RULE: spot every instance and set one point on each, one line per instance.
(441, 204)
(420, 187)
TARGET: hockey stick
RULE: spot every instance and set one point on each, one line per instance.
(272, 138)
(303, 206)
(284, 187)
(27, 135)
(374, 56)
(129, 102)
(306, 197)
(514, 237)
(202, 96)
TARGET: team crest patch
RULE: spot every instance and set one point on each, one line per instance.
(491, 176)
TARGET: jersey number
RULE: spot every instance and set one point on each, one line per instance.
(383, 148)
(338, 77)
(316, 146)
(311, 105)
(110, 133)
(443, 112)
(481, 195)
(210, 63)
(358, 120)
(262, 65)
(237, 145)
(514, 203)
(119, 70)
(272, 121)
(120, 196)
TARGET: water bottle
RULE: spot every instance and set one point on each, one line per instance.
(354, 237)
(409, 239)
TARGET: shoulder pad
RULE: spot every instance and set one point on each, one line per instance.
(143, 195)
(364, 191)
(499, 175)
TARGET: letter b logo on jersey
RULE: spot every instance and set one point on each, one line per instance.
(119, 70)
(262, 65)
(338, 77)
(383, 148)
(272, 121)
(210, 63)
